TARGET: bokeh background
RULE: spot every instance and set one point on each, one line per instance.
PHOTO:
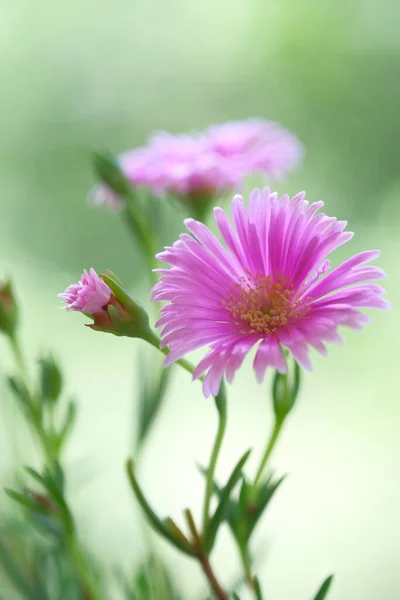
(84, 75)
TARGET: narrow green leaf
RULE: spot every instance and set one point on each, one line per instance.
(324, 589)
(268, 491)
(69, 421)
(20, 390)
(151, 397)
(26, 501)
(109, 172)
(257, 589)
(235, 596)
(47, 481)
(244, 493)
(153, 519)
(50, 483)
(220, 512)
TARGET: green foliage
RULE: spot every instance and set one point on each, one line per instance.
(109, 172)
(324, 589)
(222, 510)
(36, 567)
(153, 387)
(151, 580)
(49, 507)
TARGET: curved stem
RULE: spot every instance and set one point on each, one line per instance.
(209, 573)
(222, 416)
(144, 235)
(155, 341)
(269, 448)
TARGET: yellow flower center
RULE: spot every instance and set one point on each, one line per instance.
(260, 305)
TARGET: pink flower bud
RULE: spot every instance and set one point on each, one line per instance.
(90, 296)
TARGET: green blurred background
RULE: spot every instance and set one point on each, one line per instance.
(84, 75)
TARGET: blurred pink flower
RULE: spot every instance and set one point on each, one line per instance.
(256, 145)
(199, 166)
(90, 296)
(269, 285)
(182, 165)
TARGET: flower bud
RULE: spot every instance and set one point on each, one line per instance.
(8, 309)
(50, 380)
(107, 302)
(284, 390)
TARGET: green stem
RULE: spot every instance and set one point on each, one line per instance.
(19, 358)
(203, 559)
(35, 419)
(85, 579)
(155, 341)
(245, 558)
(222, 416)
(142, 232)
(269, 448)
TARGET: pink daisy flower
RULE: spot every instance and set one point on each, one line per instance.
(256, 145)
(197, 167)
(90, 295)
(182, 165)
(268, 284)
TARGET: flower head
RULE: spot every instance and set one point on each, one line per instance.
(197, 167)
(256, 145)
(268, 284)
(90, 295)
(182, 165)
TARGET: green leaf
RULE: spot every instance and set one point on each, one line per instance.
(257, 589)
(157, 524)
(20, 390)
(54, 483)
(128, 316)
(151, 396)
(235, 596)
(108, 171)
(221, 510)
(26, 501)
(324, 589)
(69, 421)
(264, 496)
